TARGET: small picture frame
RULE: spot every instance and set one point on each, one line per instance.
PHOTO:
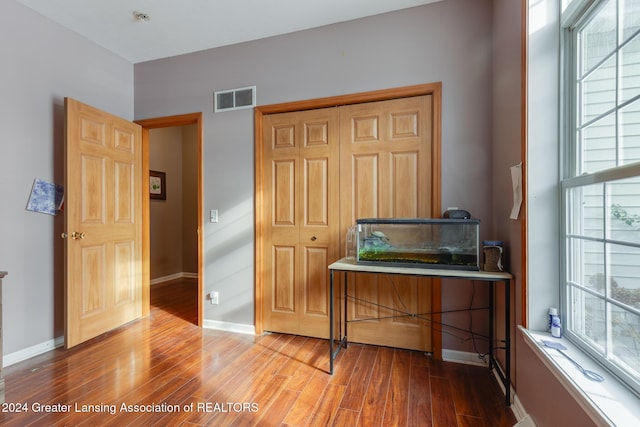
(157, 185)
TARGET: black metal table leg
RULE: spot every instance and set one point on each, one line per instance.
(331, 322)
(346, 323)
(507, 341)
(492, 345)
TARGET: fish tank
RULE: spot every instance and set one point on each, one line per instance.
(419, 242)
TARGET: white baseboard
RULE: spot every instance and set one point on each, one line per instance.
(516, 405)
(229, 327)
(33, 351)
(527, 421)
(176, 276)
(524, 420)
(462, 357)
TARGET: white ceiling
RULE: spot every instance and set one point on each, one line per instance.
(182, 26)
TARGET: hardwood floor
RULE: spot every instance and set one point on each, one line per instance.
(164, 370)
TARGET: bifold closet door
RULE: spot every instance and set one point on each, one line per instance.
(385, 158)
(301, 170)
(323, 169)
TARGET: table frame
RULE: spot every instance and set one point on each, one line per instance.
(345, 266)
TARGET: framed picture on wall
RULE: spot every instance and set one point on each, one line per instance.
(157, 185)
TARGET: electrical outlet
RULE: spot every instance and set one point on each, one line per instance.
(213, 217)
(213, 296)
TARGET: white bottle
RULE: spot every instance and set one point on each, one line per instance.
(552, 312)
(556, 326)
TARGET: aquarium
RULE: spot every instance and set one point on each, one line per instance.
(426, 243)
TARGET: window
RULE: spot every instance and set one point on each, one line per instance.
(601, 185)
(565, 4)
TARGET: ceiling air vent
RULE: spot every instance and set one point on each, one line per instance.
(234, 99)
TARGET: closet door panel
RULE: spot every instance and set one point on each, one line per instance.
(300, 159)
(385, 153)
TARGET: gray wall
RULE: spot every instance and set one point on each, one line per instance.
(41, 64)
(173, 222)
(190, 199)
(165, 216)
(507, 152)
(419, 45)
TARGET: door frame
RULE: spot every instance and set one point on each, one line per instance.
(156, 123)
(433, 89)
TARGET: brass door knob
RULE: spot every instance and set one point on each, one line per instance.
(77, 236)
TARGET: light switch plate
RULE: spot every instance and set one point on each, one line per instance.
(214, 215)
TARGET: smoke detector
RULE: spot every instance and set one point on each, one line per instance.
(141, 16)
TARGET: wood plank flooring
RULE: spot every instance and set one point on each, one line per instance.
(164, 370)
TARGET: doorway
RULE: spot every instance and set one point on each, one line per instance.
(176, 255)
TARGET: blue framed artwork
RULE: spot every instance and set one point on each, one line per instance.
(46, 197)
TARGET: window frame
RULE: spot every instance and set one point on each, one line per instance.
(573, 19)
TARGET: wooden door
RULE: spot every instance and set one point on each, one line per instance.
(103, 207)
(301, 222)
(386, 172)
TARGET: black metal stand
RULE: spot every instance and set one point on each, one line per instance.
(491, 278)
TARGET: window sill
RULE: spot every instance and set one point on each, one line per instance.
(606, 403)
